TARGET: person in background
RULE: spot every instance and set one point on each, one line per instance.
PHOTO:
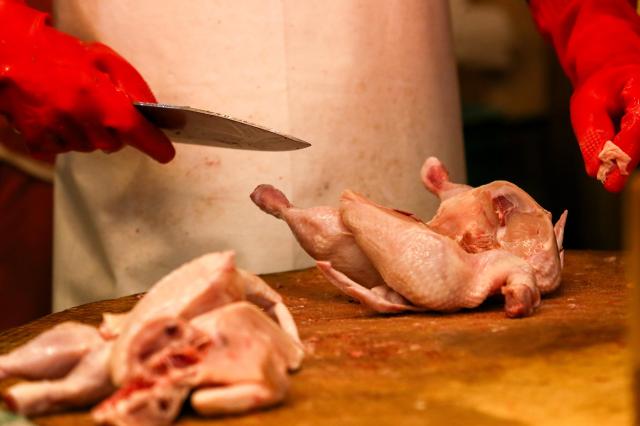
(359, 79)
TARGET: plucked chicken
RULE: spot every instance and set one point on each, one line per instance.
(485, 240)
(207, 328)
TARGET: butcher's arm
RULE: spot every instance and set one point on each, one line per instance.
(598, 45)
(63, 94)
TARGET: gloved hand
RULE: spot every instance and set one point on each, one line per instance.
(62, 94)
(598, 45)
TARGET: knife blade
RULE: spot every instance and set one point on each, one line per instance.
(194, 126)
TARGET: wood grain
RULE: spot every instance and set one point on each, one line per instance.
(567, 364)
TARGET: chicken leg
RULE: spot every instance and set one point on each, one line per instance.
(86, 384)
(52, 354)
(321, 234)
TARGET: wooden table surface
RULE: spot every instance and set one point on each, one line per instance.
(565, 365)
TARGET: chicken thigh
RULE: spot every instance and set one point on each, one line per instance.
(426, 270)
(88, 382)
(497, 215)
(52, 354)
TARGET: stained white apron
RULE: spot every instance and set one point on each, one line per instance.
(370, 83)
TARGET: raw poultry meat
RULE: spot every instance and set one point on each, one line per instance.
(112, 324)
(221, 323)
(142, 404)
(87, 383)
(207, 326)
(219, 353)
(425, 270)
(494, 238)
(235, 357)
(214, 281)
(497, 215)
(257, 377)
(256, 291)
(612, 156)
(321, 233)
(52, 354)
(147, 400)
(260, 294)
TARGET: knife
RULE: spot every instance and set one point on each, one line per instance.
(194, 126)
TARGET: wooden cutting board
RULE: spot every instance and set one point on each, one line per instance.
(566, 365)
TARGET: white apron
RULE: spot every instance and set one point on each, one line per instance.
(371, 84)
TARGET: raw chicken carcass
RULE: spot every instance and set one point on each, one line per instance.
(235, 356)
(426, 270)
(321, 234)
(199, 286)
(207, 326)
(497, 215)
(196, 287)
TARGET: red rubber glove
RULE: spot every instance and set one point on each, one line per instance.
(62, 94)
(598, 45)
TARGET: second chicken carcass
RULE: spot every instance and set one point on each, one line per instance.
(480, 240)
(418, 269)
(208, 327)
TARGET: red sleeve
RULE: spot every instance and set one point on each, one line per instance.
(587, 34)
